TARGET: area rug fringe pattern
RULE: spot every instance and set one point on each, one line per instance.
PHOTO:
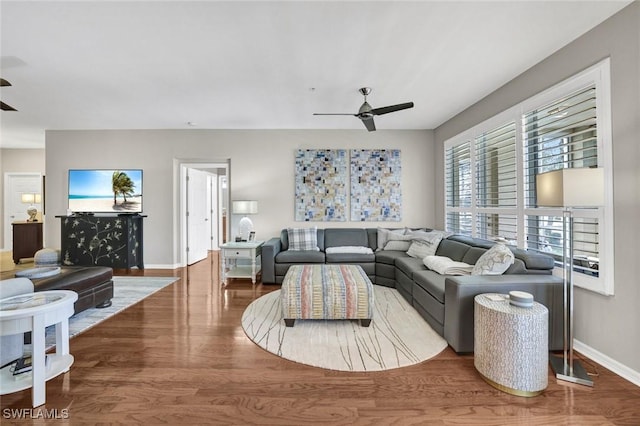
(397, 336)
(127, 291)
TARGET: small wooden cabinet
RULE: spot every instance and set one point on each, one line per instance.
(114, 241)
(27, 240)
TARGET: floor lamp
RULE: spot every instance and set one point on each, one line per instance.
(569, 188)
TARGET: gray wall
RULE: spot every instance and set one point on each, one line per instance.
(609, 325)
(261, 168)
(17, 161)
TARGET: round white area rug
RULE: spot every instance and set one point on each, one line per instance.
(397, 336)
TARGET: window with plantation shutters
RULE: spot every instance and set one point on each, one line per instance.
(490, 175)
(562, 135)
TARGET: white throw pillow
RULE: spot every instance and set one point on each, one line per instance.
(301, 239)
(422, 248)
(349, 249)
(397, 245)
(494, 261)
(384, 235)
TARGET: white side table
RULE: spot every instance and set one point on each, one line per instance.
(511, 344)
(248, 251)
(34, 312)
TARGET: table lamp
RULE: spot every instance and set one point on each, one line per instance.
(245, 226)
(29, 198)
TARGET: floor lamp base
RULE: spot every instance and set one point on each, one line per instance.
(578, 376)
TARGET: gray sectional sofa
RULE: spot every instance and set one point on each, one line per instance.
(444, 301)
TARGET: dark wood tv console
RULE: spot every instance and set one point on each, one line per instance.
(114, 240)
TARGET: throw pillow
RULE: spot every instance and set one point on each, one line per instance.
(422, 248)
(494, 261)
(424, 243)
(397, 245)
(303, 239)
(384, 236)
(349, 249)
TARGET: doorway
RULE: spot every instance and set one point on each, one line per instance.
(203, 207)
(15, 185)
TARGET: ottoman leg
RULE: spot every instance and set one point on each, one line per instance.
(289, 322)
(365, 322)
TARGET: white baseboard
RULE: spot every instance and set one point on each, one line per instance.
(610, 363)
(160, 266)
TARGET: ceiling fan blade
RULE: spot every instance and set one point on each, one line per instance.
(391, 108)
(369, 124)
(332, 113)
(5, 107)
(4, 82)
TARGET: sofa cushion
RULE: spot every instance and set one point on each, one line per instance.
(338, 237)
(389, 256)
(302, 239)
(452, 249)
(350, 257)
(409, 265)
(494, 262)
(432, 283)
(300, 256)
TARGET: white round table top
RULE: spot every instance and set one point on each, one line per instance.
(27, 304)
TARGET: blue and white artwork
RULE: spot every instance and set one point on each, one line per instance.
(376, 191)
(321, 185)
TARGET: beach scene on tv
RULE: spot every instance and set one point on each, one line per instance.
(105, 191)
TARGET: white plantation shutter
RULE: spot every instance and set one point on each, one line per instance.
(458, 172)
(496, 167)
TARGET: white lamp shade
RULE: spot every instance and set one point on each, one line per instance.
(579, 187)
(30, 198)
(245, 207)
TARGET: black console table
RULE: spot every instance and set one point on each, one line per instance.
(114, 241)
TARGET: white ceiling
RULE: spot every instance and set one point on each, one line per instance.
(252, 65)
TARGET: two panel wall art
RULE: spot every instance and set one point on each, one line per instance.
(322, 176)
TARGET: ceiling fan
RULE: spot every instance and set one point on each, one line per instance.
(3, 106)
(366, 113)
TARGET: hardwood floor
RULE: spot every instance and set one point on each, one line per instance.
(181, 357)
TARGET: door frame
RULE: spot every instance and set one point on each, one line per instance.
(180, 244)
(6, 227)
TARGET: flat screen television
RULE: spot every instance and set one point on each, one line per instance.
(105, 191)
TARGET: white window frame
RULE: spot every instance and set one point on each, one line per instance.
(598, 74)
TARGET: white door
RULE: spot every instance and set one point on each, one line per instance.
(16, 184)
(198, 223)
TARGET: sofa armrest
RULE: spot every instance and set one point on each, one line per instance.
(459, 304)
(269, 251)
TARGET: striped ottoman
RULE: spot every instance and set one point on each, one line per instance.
(326, 292)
